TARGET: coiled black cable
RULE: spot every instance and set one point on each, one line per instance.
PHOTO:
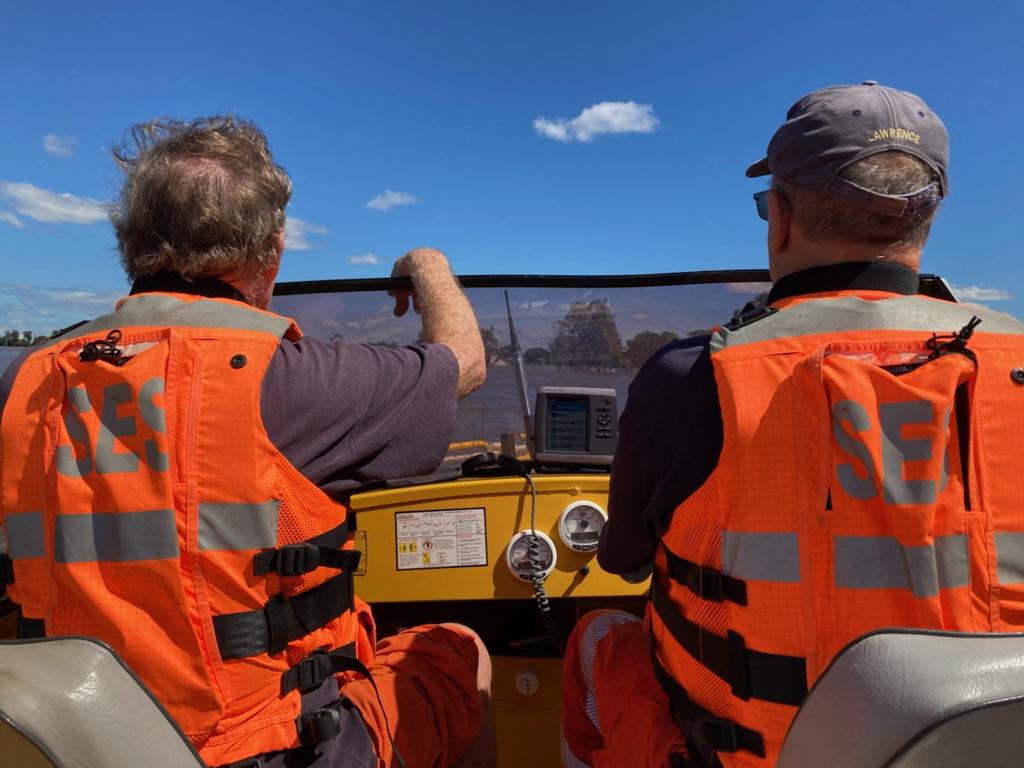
(534, 555)
(484, 464)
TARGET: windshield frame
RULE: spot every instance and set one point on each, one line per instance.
(930, 284)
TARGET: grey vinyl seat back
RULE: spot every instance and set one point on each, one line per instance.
(902, 698)
(72, 702)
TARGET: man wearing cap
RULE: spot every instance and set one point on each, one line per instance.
(837, 460)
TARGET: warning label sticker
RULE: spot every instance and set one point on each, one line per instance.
(441, 538)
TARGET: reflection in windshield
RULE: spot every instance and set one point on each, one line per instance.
(584, 337)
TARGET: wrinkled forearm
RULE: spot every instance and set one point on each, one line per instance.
(447, 315)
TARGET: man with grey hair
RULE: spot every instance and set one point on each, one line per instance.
(189, 455)
(811, 470)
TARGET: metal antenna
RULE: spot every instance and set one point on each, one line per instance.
(520, 366)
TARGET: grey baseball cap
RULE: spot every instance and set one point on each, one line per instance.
(830, 128)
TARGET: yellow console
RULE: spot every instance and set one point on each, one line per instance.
(401, 552)
(437, 552)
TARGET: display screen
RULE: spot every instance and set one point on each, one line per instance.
(566, 424)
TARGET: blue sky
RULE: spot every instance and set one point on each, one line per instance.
(438, 104)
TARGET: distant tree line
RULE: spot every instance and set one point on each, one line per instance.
(587, 337)
(22, 338)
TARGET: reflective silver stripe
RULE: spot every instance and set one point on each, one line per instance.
(1010, 557)
(951, 560)
(761, 556)
(116, 537)
(224, 526)
(25, 535)
(849, 313)
(154, 310)
(881, 562)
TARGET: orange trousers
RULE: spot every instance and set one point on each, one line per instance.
(429, 699)
(614, 713)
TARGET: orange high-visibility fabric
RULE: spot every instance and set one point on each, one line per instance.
(427, 680)
(634, 725)
(812, 415)
(156, 484)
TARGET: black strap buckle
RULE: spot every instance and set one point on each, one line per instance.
(309, 673)
(323, 551)
(706, 582)
(319, 726)
(312, 671)
(6, 570)
(289, 560)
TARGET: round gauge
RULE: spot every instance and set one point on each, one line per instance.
(517, 555)
(580, 524)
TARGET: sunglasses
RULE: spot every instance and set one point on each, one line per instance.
(761, 201)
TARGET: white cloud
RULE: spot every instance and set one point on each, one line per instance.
(11, 219)
(52, 207)
(42, 309)
(297, 231)
(59, 146)
(606, 117)
(390, 199)
(364, 258)
(976, 293)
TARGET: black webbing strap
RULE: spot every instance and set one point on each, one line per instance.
(6, 570)
(30, 629)
(297, 559)
(309, 673)
(704, 581)
(309, 729)
(751, 674)
(716, 733)
(323, 551)
(270, 629)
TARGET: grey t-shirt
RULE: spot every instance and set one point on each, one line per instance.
(345, 413)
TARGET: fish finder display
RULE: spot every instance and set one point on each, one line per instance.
(566, 424)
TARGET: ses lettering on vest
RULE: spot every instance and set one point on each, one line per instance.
(113, 423)
(897, 450)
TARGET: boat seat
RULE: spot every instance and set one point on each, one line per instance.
(914, 698)
(72, 702)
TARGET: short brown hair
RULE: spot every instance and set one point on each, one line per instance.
(822, 216)
(201, 198)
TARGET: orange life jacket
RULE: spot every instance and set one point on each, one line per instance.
(144, 504)
(869, 476)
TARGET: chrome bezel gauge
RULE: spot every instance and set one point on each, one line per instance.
(571, 513)
(518, 545)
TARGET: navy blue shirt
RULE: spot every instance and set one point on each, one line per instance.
(670, 433)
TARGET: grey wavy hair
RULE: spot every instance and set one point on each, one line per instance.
(202, 198)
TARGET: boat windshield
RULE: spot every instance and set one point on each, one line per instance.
(580, 332)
